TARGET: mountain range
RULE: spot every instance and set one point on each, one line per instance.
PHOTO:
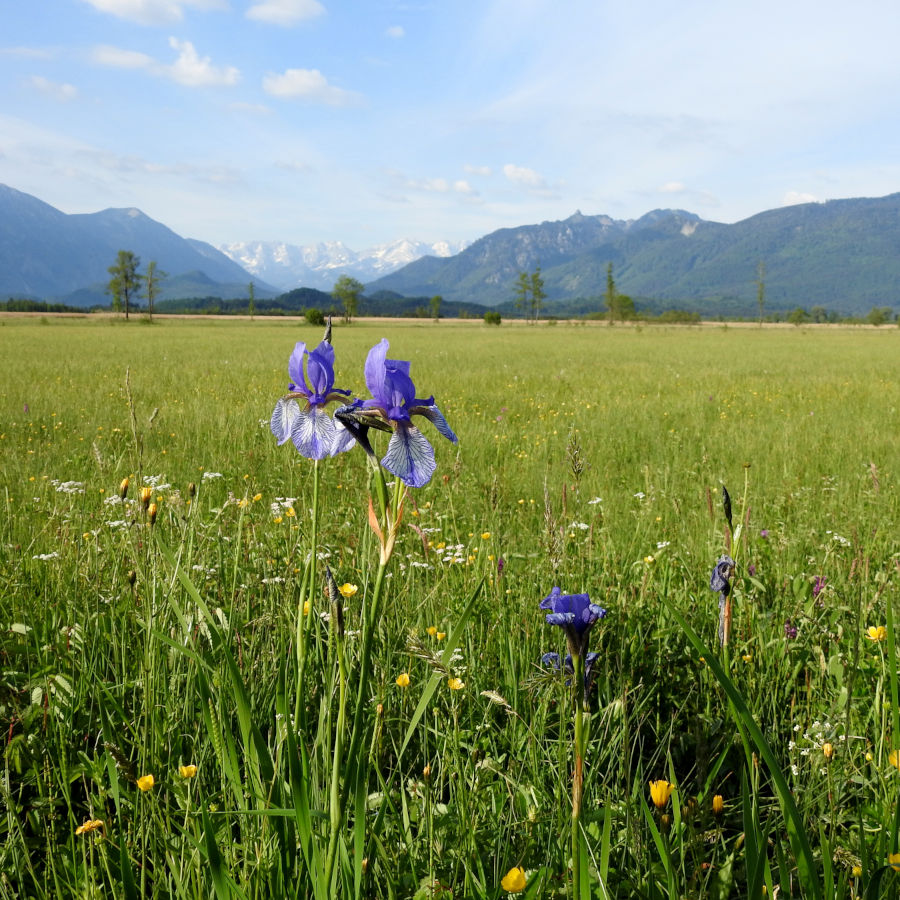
(320, 265)
(840, 254)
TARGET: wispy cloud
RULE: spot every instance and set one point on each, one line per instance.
(189, 69)
(792, 198)
(153, 12)
(307, 84)
(27, 52)
(524, 176)
(58, 91)
(672, 187)
(484, 171)
(395, 31)
(284, 12)
(194, 71)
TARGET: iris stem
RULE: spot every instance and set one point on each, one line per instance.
(335, 799)
(578, 777)
(307, 593)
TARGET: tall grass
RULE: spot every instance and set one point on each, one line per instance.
(591, 458)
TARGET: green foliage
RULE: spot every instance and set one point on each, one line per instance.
(492, 317)
(347, 292)
(436, 301)
(152, 279)
(314, 316)
(125, 281)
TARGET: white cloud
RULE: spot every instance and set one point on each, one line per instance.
(27, 52)
(523, 175)
(307, 84)
(478, 170)
(54, 89)
(117, 58)
(284, 12)
(193, 71)
(672, 187)
(152, 12)
(792, 198)
(395, 31)
(188, 69)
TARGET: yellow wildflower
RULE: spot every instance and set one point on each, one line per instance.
(485, 535)
(89, 826)
(514, 880)
(718, 805)
(257, 498)
(456, 684)
(894, 861)
(187, 771)
(894, 759)
(432, 630)
(146, 494)
(123, 488)
(441, 635)
(876, 633)
(306, 607)
(347, 589)
(660, 791)
(856, 871)
(828, 750)
(146, 782)
(403, 680)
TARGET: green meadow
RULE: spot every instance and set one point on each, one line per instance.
(403, 739)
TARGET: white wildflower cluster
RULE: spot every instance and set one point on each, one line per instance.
(209, 476)
(840, 539)
(157, 482)
(661, 545)
(116, 524)
(68, 487)
(581, 526)
(281, 505)
(595, 501)
(274, 579)
(45, 556)
(640, 495)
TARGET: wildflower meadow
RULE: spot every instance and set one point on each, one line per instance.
(441, 610)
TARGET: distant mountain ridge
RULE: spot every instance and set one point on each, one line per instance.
(320, 265)
(46, 253)
(840, 254)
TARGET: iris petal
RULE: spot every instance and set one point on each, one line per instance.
(295, 368)
(342, 439)
(409, 456)
(283, 417)
(320, 369)
(313, 433)
(375, 371)
(436, 417)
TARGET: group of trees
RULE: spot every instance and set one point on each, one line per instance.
(126, 284)
(530, 294)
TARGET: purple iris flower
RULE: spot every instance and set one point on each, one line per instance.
(720, 581)
(409, 455)
(575, 614)
(551, 660)
(314, 433)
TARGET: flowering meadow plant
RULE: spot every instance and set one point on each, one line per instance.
(307, 423)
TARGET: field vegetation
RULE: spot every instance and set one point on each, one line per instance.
(191, 707)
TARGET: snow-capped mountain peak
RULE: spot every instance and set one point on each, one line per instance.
(319, 265)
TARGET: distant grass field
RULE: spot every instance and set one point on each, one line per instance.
(589, 457)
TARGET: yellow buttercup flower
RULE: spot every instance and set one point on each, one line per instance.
(894, 861)
(403, 680)
(876, 633)
(306, 607)
(856, 871)
(456, 684)
(431, 630)
(347, 589)
(89, 826)
(257, 498)
(146, 782)
(894, 759)
(187, 771)
(514, 880)
(441, 635)
(486, 536)
(660, 791)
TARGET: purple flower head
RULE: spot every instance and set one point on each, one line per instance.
(764, 533)
(575, 614)
(819, 585)
(314, 433)
(501, 564)
(409, 455)
(790, 630)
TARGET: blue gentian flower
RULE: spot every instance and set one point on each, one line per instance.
(409, 455)
(314, 433)
(575, 614)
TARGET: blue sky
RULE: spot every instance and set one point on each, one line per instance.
(316, 120)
